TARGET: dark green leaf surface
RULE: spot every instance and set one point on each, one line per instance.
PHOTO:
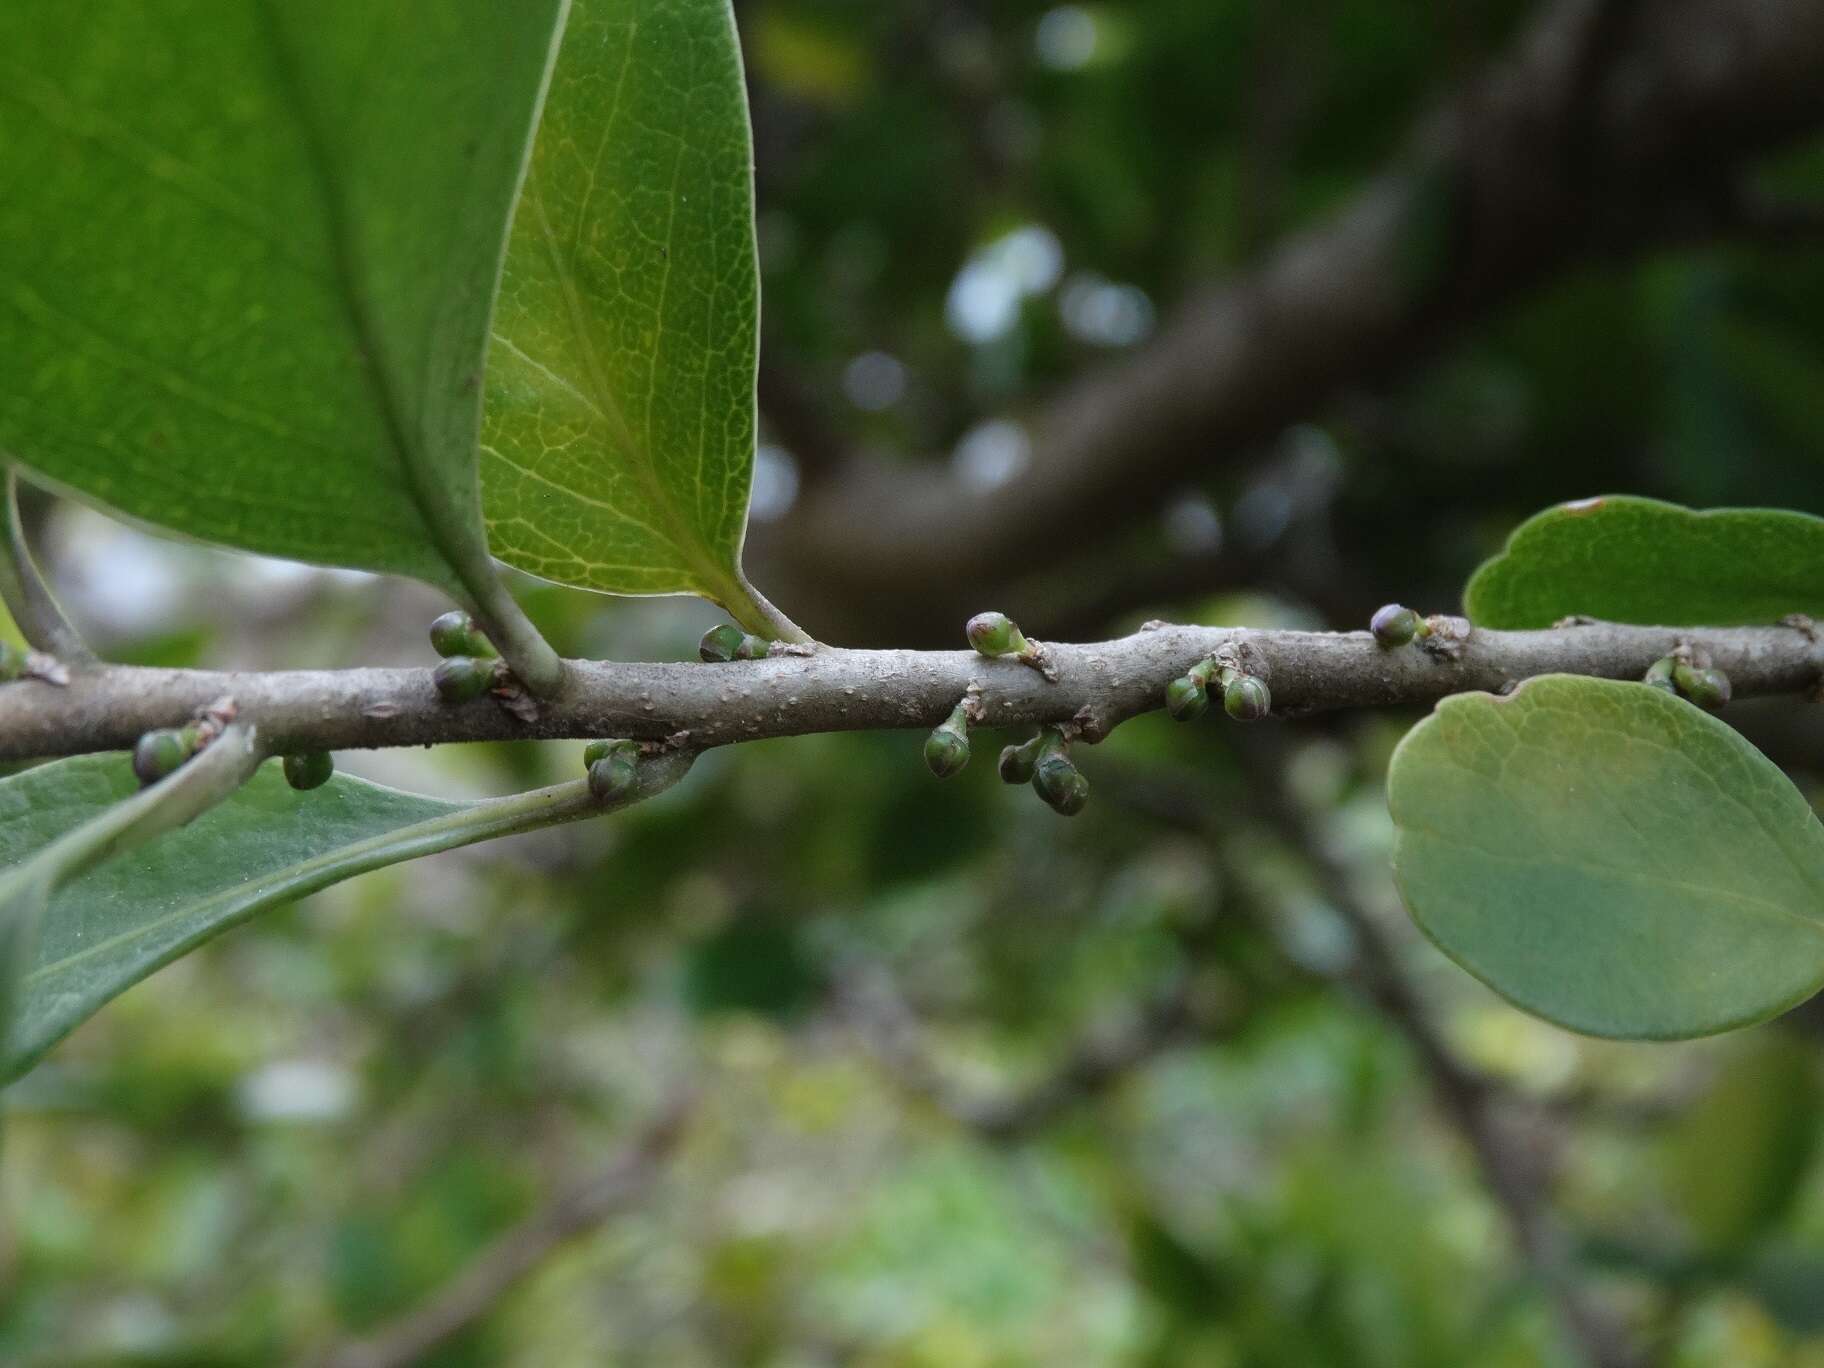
(619, 436)
(267, 845)
(1610, 858)
(250, 251)
(1624, 559)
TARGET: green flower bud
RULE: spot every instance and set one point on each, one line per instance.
(947, 748)
(720, 643)
(1075, 796)
(1186, 698)
(159, 753)
(1017, 761)
(1060, 783)
(614, 776)
(994, 634)
(461, 678)
(1708, 688)
(1247, 699)
(455, 634)
(946, 751)
(599, 750)
(1394, 625)
(1660, 674)
(753, 648)
(308, 770)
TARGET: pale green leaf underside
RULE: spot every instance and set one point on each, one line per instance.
(1610, 858)
(249, 252)
(618, 439)
(1626, 559)
(268, 844)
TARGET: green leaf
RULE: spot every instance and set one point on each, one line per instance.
(251, 251)
(1610, 858)
(618, 444)
(81, 839)
(267, 845)
(1624, 559)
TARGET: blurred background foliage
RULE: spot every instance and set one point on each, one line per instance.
(877, 1003)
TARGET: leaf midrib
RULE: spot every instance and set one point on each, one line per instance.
(343, 258)
(606, 401)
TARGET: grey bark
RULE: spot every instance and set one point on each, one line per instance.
(1096, 686)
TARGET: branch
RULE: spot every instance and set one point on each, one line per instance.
(494, 1272)
(1596, 132)
(1100, 1059)
(694, 705)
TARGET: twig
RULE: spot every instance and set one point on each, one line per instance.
(826, 690)
(494, 1272)
(891, 1032)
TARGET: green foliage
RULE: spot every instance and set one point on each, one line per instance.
(1610, 858)
(251, 255)
(619, 436)
(1275, 1196)
(263, 847)
(1624, 559)
(1738, 1158)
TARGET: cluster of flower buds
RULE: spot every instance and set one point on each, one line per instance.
(947, 748)
(996, 634)
(1245, 697)
(1704, 685)
(1045, 763)
(307, 770)
(613, 767)
(470, 665)
(727, 642)
(1394, 624)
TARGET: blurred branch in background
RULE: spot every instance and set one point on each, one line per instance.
(576, 1210)
(1597, 134)
(1510, 1166)
(1185, 1012)
(1189, 1011)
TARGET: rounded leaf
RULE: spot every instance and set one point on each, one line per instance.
(1610, 858)
(1625, 559)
